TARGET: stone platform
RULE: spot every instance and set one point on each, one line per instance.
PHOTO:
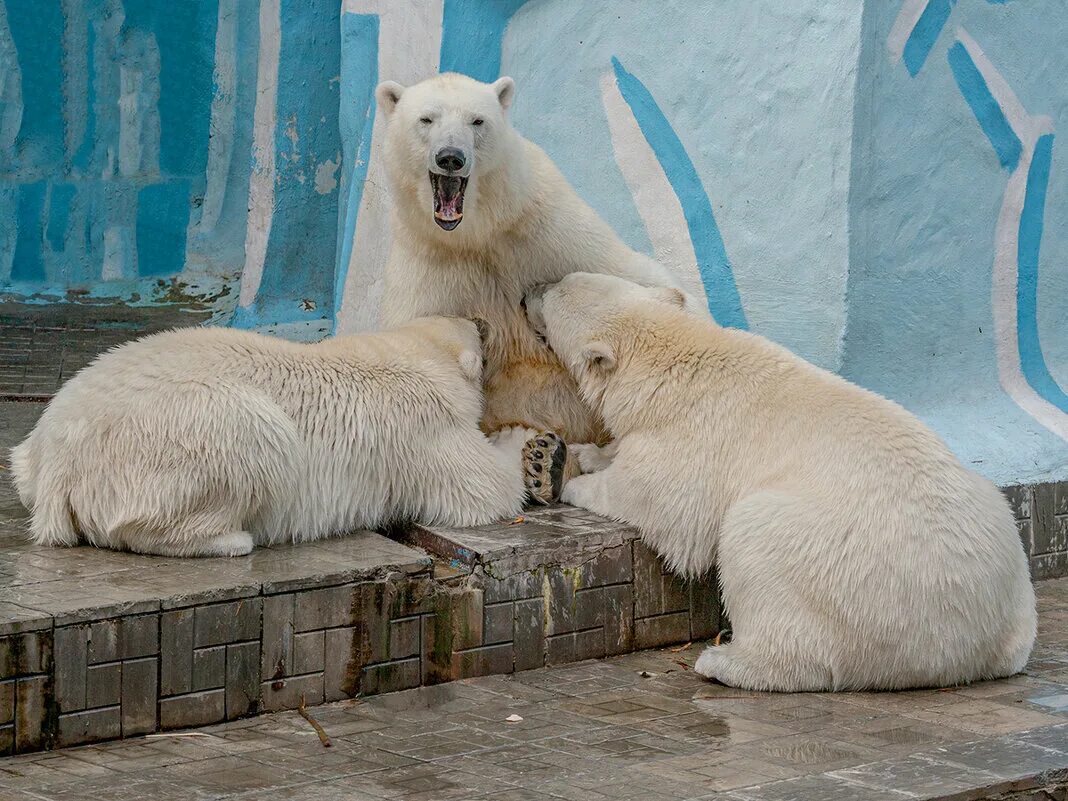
(97, 645)
(637, 727)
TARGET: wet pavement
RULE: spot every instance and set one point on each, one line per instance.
(640, 726)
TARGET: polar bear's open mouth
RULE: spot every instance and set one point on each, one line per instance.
(448, 199)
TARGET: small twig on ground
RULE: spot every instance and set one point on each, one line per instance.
(323, 737)
(681, 664)
(685, 647)
(517, 521)
(179, 734)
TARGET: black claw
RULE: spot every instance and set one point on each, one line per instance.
(537, 454)
(536, 468)
(537, 484)
(542, 443)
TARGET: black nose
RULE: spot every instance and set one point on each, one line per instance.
(451, 159)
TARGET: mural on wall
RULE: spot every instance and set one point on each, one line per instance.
(890, 209)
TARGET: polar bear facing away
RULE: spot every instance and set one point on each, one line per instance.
(854, 550)
(203, 442)
(480, 215)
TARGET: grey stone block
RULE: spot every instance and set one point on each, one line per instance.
(308, 652)
(7, 740)
(613, 566)
(1023, 527)
(70, 650)
(103, 642)
(193, 709)
(234, 621)
(704, 607)
(1060, 498)
(176, 652)
(498, 623)
(325, 608)
(486, 661)
(87, 727)
(139, 695)
(561, 607)
(527, 584)
(390, 676)
(648, 582)
(7, 702)
(23, 654)
(139, 637)
(1042, 520)
(618, 619)
(404, 638)
(242, 679)
(1051, 565)
(675, 593)
(287, 693)
(529, 642)
(341, 674)
(103, 685)
(31, 713)
(575, 646)
(652, 632)
(277, 655)
(589, 608)
(1019, 498)
(209, 668)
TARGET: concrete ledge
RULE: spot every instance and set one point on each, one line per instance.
(96, 645)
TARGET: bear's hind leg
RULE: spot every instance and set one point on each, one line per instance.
(759, 669)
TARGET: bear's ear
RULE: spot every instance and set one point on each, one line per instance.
(670, 295)
(388, 95)
(599, 356)
(505, 89)
(471, 365)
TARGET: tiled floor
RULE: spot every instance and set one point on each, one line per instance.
(641, 726)
(43, 346)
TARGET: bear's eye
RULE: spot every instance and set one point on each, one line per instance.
(477, 121)
(425, 120)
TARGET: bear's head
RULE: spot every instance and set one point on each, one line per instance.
(443, 134)
(582, 316)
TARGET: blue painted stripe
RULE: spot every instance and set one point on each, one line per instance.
(29, 241)
(472, 32)
(925, 34)
(712, 262)
(359, 60)
(1032, 362)
(991, 119)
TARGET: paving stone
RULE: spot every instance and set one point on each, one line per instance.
(391, 676)
(139, 637)
(308, 652)
(526, 584)
(7, 702)
(22, 654)
(618, 619)
(1004, 757)
(324, 608)
(139, 694)
(103, 642)
(648, 584)
(486, 661)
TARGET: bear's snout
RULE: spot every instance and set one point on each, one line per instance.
(450, 159)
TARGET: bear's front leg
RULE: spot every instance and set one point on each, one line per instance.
(592, 458)
(598, 492)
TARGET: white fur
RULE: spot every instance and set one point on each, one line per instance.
(202, 442)
(854, 550)
(523, 225)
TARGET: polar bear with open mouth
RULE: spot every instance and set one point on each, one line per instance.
(480, 215)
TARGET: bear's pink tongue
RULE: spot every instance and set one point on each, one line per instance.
(448, 199)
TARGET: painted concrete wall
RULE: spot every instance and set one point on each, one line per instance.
(873, 184)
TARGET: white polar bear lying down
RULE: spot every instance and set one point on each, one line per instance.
(854, 550)
(480, 215)
(202, 442)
